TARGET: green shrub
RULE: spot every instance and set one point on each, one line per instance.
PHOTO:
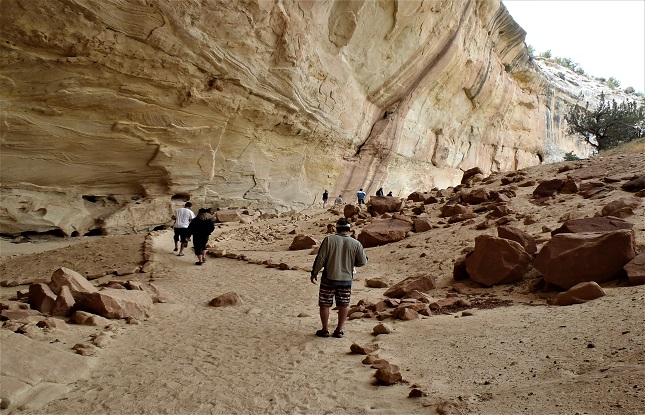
(608, 125)
(613, 83)
(531, 50)
(570, 156)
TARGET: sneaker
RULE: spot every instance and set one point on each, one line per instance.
(175, 250)
(198, 263)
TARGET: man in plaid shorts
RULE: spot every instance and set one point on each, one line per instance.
(337, 257)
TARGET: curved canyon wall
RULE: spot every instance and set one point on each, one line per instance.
(114, 112)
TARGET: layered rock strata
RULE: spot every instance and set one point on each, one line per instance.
(114, 112)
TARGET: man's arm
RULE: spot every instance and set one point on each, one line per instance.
(319, 262)
(360, 259)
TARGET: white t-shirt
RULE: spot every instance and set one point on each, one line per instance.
(183, 216)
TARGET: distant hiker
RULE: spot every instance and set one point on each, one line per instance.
(200, 228)
(361, 197)
(338, 200)
(379, 192)
(337, 257)
(325, 198)
(182, 218)
(389, 193)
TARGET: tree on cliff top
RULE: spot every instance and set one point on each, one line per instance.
(608, 125)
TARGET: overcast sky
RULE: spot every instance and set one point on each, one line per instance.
(604, 37)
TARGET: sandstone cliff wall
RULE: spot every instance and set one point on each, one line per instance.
(114, 112)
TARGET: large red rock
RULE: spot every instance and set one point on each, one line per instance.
(634, 185)
(384, 231)
(459, 271)
(548, 188)
(597, 224)
(421, 283)
(350, 211)
(636, 270)
(64, 302)
(75, 281)
(449, 210)
(41, 297)
(476, 196)
(422, 225)
(418, 196)
(301, 242)
(580, 293)
(470, 173)
(519, 236)
(571, 258)
(497, 261)
(113, 303)
(385, 204)
(17, 314)
(621, 208)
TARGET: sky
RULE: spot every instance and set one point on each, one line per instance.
(604, 37)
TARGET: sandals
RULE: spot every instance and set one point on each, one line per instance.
(324, 333)
(198, 263)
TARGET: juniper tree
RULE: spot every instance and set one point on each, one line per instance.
(608, 125)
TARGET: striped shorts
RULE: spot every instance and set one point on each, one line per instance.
(328, 292)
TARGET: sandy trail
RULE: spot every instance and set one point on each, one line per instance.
(255, 358)
(261, 358)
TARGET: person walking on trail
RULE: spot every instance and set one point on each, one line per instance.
(182, 218)
(201, 228)
(325, 198)
(361, 197)
(339, 200)
(379, 192)
(337, 257)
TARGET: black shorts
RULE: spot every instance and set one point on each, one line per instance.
(181, 233)
(199, 243)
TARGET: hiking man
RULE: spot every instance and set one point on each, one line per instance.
(182, 218)
(361, 197)
(325, 198)
(379, 192)
(337, 257)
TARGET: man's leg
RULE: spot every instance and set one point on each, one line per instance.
(175, 237)
(342, 317)
(324, 317)
(343, 298)
(184, 243)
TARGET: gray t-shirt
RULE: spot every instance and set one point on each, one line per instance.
(338, 255)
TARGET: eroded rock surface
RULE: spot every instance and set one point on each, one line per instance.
(257, 103)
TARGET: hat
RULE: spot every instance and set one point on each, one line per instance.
(343, 224)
